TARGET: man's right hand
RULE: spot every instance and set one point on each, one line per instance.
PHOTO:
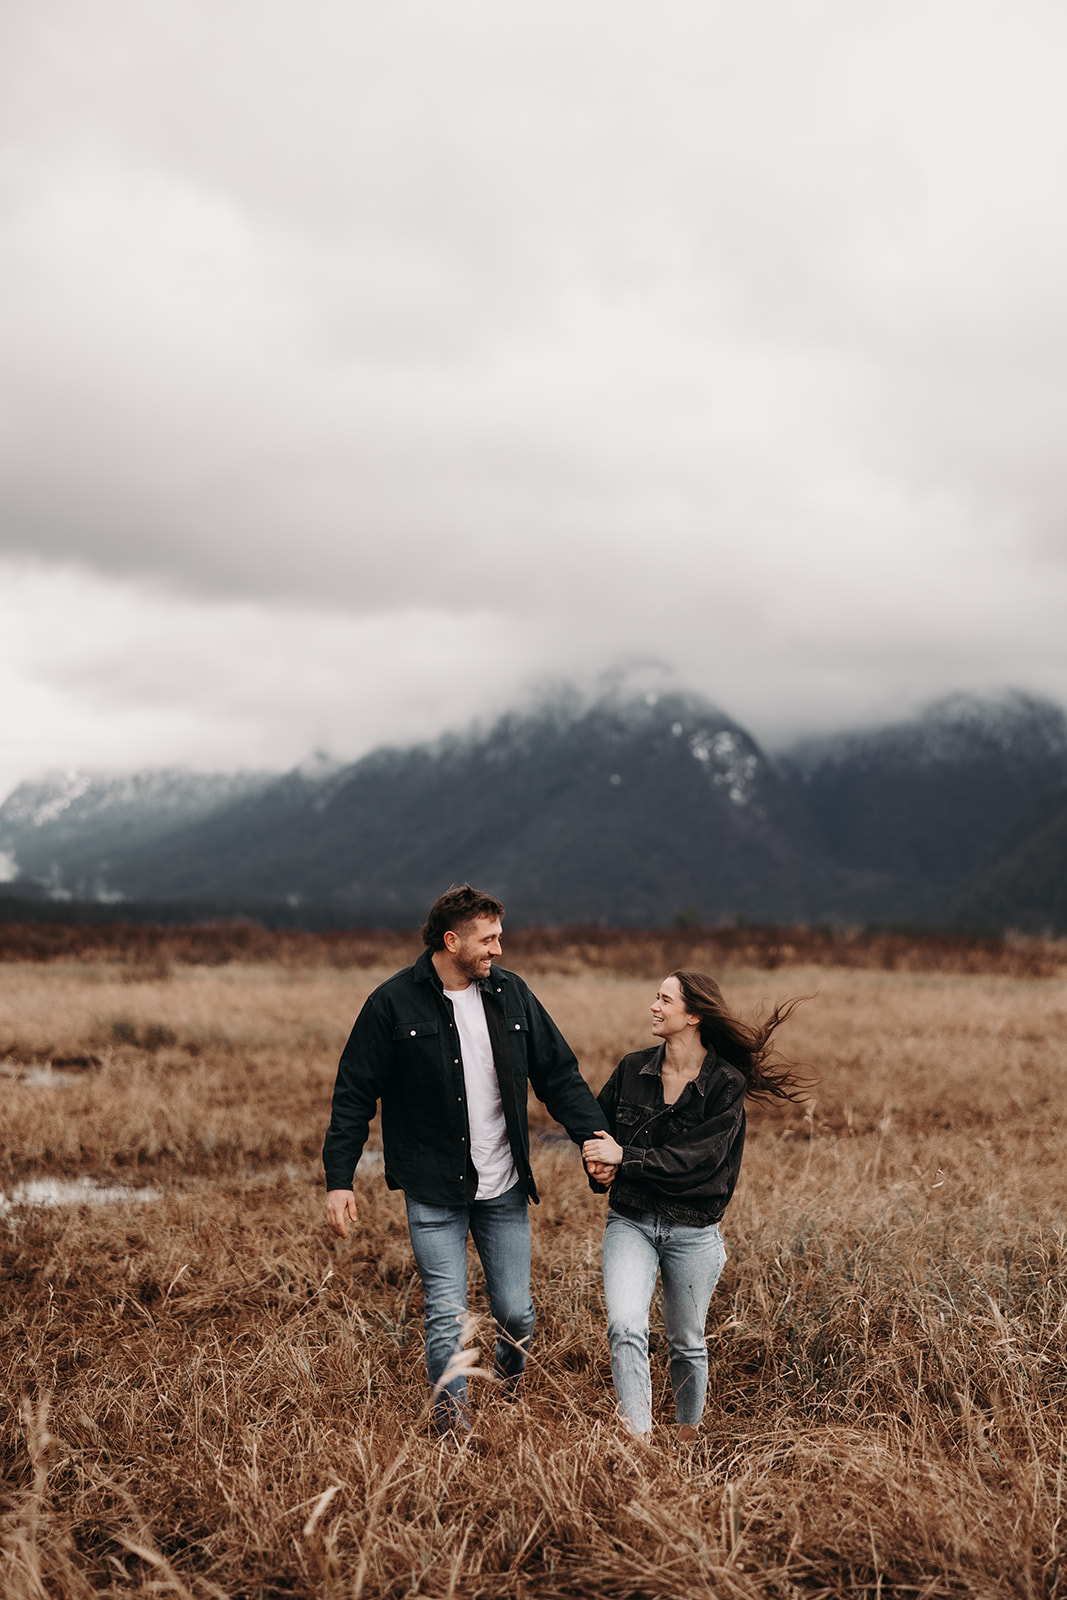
(340, 1205)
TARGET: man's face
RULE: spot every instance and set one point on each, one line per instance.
(478, 947)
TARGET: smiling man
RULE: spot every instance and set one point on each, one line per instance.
(448, 1046)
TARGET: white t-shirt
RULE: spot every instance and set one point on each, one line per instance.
(490, 1149)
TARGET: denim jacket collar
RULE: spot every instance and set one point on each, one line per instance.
(653, 1068)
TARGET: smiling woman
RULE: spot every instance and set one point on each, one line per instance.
(670, 1157)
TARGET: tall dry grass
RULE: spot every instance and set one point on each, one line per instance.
(206, 1396)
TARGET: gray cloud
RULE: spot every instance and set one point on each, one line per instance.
(733, 334)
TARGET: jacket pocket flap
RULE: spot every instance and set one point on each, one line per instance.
(516, 1025)
(414, 1030)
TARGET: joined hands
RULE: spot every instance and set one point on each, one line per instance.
(602, 1156)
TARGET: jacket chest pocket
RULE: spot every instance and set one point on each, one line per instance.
(687, 1117)
(415, 1031)
(640, 1125)
(417, 1050)
(420, 1080)
(628, 1118)
(516, 1034)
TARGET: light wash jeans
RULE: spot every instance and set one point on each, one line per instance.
(690, 1260)
(500, 1229)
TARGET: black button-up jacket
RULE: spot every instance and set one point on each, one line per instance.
(679, 1161)
(404, 1051)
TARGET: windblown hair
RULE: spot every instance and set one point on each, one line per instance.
(453, 909)
(745, 1045)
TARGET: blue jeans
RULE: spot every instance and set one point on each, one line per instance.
(500, 1229)
(690, 1261)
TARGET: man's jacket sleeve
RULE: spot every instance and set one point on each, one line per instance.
(360, 1075)
(557, 1082)
(607, 1100)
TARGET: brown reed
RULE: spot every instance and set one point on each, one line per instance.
(149, 952)
(206, 1396)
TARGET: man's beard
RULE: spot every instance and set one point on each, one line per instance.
(470, 966)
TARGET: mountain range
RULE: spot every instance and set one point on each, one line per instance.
(631, 809)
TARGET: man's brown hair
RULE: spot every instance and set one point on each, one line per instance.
(455, 907)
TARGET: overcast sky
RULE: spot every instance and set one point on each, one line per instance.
(362, 365)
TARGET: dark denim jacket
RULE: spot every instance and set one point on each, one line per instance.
(679, 1161)
(404, 1051)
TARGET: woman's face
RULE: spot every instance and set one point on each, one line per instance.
(669, 1016)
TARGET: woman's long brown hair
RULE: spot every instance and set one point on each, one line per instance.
(745, 1045)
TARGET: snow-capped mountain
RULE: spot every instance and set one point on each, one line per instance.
(62, 831)
(641, 804)
(923, 799)
(630, 808)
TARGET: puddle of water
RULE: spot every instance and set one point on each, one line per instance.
(72, 1192)
(46, 1077)
(90, 1192)
(45, 1074)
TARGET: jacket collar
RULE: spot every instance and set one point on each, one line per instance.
(653, 1067)
(424, 970)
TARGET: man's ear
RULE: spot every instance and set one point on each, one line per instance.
(451, 941)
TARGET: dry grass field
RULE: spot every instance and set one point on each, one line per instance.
(202, 1395)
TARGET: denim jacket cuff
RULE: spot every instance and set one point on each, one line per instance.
(632, 1163)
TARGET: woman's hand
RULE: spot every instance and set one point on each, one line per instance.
(602, 1172)
(602, 1148)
